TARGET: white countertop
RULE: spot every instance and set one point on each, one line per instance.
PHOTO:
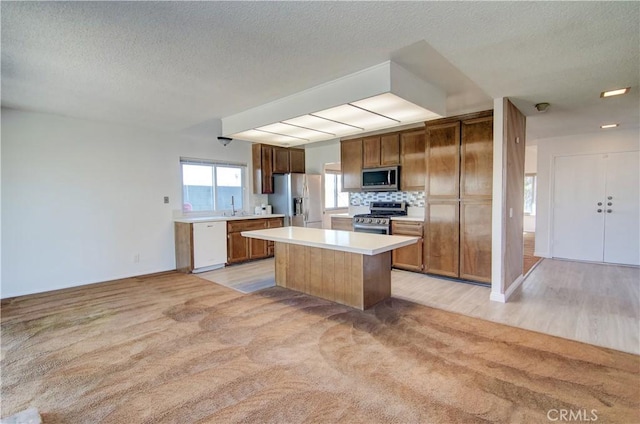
(345, 241)
(191, 220)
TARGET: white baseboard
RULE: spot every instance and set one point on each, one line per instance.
(504, 297)
(542, 254)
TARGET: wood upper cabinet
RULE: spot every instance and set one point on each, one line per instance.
(408, 257)
(412, 150)
(475, 240)
(476, 173)
(297, 161)
(351, 164)
(443, 160)
(280, 160)
(381, 150)
(441, 244)
(262, 161)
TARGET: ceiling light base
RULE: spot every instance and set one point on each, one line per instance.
(224, 140)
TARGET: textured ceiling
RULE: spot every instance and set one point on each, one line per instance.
(181, 66)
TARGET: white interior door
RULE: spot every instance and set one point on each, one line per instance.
(578, 227)
(596, 211)
(622, 209)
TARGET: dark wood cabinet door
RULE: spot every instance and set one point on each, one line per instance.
(280, 160)
(443, 160)
(390, 150)
(412, 151)
(475, 240)
(441, 243)
(237, 248)
(476, 173)
(262, 161)
(371, 152)
(296, 161)
(351, 163)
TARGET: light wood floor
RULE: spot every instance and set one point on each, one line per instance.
(592, 303)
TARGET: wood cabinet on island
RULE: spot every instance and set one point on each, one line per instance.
(350, 268)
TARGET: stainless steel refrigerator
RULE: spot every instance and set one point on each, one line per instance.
(299, 198)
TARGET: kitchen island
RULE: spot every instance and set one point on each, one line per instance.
(346, 267)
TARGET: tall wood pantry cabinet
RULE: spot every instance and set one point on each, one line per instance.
(459, 163)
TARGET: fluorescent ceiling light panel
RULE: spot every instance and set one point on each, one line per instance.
(321, 124)
(604, 127)
(617, 92)
(396, 108)
(267, 137)
(376, 98)
(293, 131)
(356, 117)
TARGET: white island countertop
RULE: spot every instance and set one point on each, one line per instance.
(346, 241)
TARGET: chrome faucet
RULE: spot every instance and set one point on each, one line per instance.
(233, 207)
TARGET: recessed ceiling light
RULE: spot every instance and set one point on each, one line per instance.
(617, 92)
(604, 127)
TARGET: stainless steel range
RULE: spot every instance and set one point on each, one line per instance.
(379, 220)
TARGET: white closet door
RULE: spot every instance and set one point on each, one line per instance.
(578, 227)
(622, 223)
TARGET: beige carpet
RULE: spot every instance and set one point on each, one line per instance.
(174, 348)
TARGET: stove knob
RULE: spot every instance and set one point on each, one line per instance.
(379, 221)
(369, 221)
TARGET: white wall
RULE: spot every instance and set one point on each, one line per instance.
(530, 167)
(81, 198)
(617, 140)
(317, 154)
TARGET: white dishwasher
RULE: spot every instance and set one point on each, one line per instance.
(209, 245)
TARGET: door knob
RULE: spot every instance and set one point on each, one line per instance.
(599, 203)
(609, 210)
(599, 210)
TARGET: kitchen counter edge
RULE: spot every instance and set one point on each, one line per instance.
(224, 218)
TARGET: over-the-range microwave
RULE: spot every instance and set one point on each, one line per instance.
(381, 179)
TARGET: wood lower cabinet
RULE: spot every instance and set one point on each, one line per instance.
(442, 230)
(241, 249)
(408, 257)
(475, 240)
(341, 223)
(351, 164)
(273, 223)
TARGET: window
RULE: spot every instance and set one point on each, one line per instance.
(333, 195)
(211, 187)
(530, 194)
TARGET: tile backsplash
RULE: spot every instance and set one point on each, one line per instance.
(413, 198)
